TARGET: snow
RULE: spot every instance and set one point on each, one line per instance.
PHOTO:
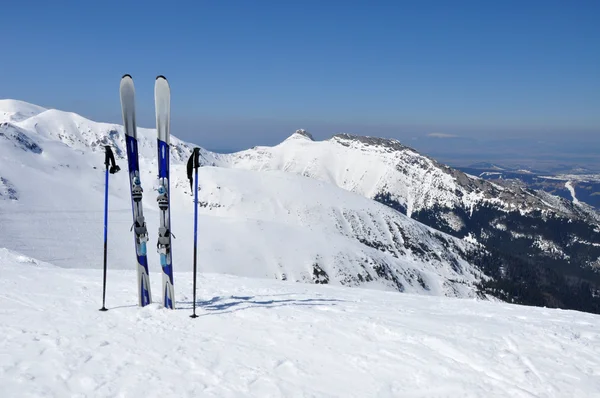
(266, 224)
(569, 186)
(452, 220)
(500, 226)
(384, 168)
(356, 166)
(471, 239)
(584, 242)
(15, 110)
(490, 173)
(519, 235)
(549, 248)
(327, 222)
(257, 337)
(583, 177)
(371, 166)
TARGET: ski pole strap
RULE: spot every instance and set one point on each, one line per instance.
(193, 163)
(109, 159)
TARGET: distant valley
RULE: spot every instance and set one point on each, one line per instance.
(573, 183)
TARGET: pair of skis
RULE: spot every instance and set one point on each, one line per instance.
(162, 100)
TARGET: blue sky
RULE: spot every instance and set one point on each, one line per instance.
(247, 73)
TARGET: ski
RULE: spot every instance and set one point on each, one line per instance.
(140, 233)
(162, 102)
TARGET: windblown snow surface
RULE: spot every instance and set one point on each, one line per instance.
(264, 338)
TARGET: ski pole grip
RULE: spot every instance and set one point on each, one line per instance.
(196, 157)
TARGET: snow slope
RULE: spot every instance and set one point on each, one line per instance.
(259, 338)
(257, 224)
(14, 110)
(444, 198)
(365, 165)
(569, 186)
(321, 229)
(255, 336)
(374, 166)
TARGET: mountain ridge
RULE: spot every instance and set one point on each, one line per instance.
(517, 237)
(340, 237)
(547, 243)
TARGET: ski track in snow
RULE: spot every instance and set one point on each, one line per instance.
(267, 338)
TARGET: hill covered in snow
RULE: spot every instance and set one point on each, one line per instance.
(416, 185)
(318, 197)
(267, 224)
(550, 244)
(258, 334)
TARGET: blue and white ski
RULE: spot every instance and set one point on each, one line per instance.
(162, 101)
(140, 234)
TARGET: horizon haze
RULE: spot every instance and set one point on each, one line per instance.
(461, 82)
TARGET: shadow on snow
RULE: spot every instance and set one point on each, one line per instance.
(224, 304)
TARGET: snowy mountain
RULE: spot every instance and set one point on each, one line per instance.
(263, 338)
(255, 336)
(528, 229)
(387, 171)
(320, 196)
(267, 224)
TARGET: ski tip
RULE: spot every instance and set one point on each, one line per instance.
(161, 77)
(127, 75)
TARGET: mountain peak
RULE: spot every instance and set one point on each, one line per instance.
(15, 110)
(301, 133)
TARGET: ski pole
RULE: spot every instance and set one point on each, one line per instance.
(108, 160)
(193, 163)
